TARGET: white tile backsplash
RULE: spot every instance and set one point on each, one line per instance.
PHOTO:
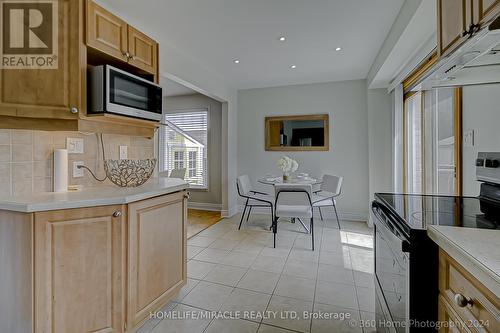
(26, 158)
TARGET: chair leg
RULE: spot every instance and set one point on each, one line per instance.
(320, 214)
(243, 214)
(303, 225)
(337, 215)
(249, 211)
(272, 218)
(275, 230)
(312, 232)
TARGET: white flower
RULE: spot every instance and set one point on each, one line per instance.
(286, 164)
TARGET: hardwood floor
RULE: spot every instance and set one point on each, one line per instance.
(199, 220)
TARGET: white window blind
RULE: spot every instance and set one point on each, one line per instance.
(183, 144)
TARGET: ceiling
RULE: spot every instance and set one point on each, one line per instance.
(216, 32)
(172, 88)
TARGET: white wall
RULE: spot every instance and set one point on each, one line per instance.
(479, 113)
(379, 141)
(345, 102)
(211, 198)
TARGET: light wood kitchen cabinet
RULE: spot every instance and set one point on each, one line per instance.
(50, 93)
(465, 300)
(156, 254)
(106, 32)
(454, 19)
(487, 9)
(460, 19)
(109, 34)
(56, 99)
(143, 51)
(449, 319)
(80, 270)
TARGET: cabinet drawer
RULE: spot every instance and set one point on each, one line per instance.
(449, 319)
(482, 313)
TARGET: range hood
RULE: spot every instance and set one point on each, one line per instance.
(477, 61)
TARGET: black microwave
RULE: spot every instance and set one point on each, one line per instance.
(115, 91)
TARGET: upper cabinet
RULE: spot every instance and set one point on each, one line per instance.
(487, 9)
(82, 35)
(109, 34)
(106, 32)
(458, 20)
(56, 93)
(143, 51)
(454, 19)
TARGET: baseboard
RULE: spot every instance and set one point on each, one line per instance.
(327, 212)
(229, 212)
(205, 206)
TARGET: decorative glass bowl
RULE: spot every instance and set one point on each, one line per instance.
(129, 173)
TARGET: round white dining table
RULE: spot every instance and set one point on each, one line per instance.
(272, 180)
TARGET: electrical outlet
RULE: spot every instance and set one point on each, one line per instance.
(469, 138)
(74, 145)
(77, 172)
(123, 152)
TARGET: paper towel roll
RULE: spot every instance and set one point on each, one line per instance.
(60, 170)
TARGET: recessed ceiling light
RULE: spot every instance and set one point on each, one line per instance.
(293, 67)
(338, 49)
(282, 39)
(236, 61)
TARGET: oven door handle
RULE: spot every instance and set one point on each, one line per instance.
(383, 215)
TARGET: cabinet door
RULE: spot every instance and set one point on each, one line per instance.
(50, 93)
(454, 18)
(488, 9)
(79, 270)
(156, 254)
(143, 51)
(106, 32)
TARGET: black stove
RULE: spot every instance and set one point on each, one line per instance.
(417, 212)
(406, 259)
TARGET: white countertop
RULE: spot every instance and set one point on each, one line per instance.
(91, 196)
(477, 250)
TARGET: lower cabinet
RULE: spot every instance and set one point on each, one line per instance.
(156, 254)
(79, 270)
(465, 305)
(105, 269)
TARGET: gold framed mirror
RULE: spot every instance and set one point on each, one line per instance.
(297, 133)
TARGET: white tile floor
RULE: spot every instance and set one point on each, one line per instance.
(233, 272)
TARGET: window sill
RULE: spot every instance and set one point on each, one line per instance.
(198, 189)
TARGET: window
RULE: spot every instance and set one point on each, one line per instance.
(183, 144)
(192, 164)
(178, 159)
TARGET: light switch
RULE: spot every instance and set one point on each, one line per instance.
(77, 172)
(469, 138)
(74, 145)
(123, 152)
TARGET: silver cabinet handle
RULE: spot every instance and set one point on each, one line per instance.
(186, 195)
(117, 214)
(462, 301)
(73, 110)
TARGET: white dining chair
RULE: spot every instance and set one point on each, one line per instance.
(293, 201)
(253, 198)
(178, 173)
(331, 187)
